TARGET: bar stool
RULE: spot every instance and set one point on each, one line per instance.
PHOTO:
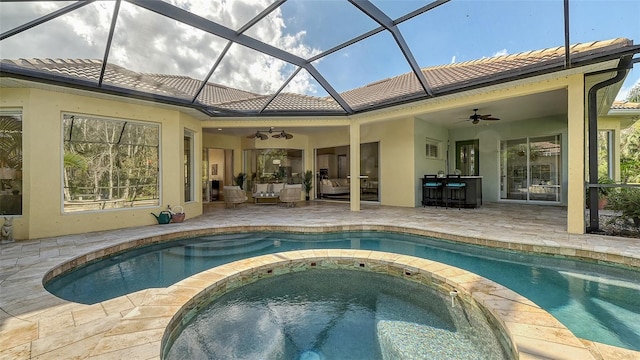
(456, 191)
(432, 190)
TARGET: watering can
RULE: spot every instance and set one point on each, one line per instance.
(163, 218)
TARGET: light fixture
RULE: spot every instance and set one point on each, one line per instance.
(278, 134)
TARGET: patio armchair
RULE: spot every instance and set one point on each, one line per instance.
(291, 194)
(233, 195)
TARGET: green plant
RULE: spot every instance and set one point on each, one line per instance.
(240, 179)
(307, 182)
(279, 174)
(627, 202)
(605, 191)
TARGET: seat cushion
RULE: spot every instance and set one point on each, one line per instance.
(262, 188)
(277, 187)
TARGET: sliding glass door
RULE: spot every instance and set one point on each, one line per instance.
(530, 169)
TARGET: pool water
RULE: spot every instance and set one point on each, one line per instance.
(595, 301)
(333, 314)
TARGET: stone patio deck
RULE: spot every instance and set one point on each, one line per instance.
(35, 324)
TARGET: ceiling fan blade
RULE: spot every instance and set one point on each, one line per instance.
(263, 137)
(277, 136)
(288, 136)
(490, 118)
(255, 136)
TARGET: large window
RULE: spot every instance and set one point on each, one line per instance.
(10, 163)
(273, 166)
(109, 163)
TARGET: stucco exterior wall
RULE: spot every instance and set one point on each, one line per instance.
(422, 164)
(42, 176)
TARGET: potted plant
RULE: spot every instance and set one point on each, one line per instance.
(603, 192)
(307, 183)
(240, 179)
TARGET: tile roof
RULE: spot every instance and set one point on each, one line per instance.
(444, 77)
(441, 79)
(212, 94)
(88, 69)
(625, 105)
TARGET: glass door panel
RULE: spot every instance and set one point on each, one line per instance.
(530, 169)
(544, 168)
(514, 169)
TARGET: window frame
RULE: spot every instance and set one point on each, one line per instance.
(12, 184)
(189, 166)
(431, 144)
(98, 204)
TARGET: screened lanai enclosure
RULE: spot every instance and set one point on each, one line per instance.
(319, 69)
(265, 57)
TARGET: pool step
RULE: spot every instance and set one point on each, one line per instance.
(427, 336)
(219, 250)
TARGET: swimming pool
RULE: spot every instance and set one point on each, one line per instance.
(596, 302)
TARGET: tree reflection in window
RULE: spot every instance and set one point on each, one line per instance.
(109, 163)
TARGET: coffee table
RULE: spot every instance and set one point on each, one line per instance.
(266, 199)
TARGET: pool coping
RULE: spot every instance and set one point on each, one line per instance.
(34, 334)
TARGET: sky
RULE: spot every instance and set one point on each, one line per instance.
(458, 31)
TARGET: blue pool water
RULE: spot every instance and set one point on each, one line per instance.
(336, 314)
(595, 301)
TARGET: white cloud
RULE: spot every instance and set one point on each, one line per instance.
(501, 53)
(453, 59)
(147, 42)
(627, 86)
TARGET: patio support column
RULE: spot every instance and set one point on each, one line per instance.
(575, 155)
(354, 164)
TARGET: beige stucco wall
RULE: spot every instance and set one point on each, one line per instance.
(42, 175)
(400, 133)
(422, 164)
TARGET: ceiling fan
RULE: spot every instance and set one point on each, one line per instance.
(475, 118)
(262, 136)
(283, 135)
(258, 135)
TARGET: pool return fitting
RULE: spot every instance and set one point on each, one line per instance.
(453, 293)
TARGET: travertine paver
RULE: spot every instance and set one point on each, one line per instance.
(35, 324)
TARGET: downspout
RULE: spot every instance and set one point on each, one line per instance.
(594, 220)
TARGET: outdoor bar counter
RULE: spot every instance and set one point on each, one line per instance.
(473, 191)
